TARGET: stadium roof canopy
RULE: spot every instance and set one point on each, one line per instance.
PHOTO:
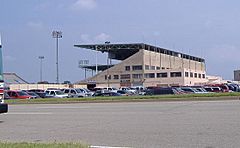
(99, 67)
(123, 51)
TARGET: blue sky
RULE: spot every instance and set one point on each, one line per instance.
(209, 29)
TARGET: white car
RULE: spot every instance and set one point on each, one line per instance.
(110, 89)
(86, 91)
(74, 93)
(56, 93)
(131, 90)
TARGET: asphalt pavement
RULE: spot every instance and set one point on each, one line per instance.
(187, 124)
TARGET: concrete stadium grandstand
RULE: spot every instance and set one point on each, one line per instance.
(145, 65)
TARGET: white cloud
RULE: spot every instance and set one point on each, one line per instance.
(84, 4)
(102, 37)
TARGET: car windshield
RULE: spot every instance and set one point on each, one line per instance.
(87, 90)
(79, 90)
(188, 89)
(21, 93)
(59, 92)
(30, 93)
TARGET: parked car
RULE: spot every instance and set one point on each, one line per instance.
(36, 90)
(6, 96)
(17, 94)
(56, 93)
(213, 89)
(33, 94)
(88, 92)
(233, 87)
(223, 87)
(106, 94)
(40, 93)
(111, 89)
(201, 90)
(161, 91)
(131, 90)
(74, 93)
(124, 93)
(3, 107)
(194, 90)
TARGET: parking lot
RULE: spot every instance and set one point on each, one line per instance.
(146, 124)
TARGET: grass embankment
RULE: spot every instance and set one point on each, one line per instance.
(185, 97)
(42, 145)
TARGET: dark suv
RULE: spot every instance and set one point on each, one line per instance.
(3, 107)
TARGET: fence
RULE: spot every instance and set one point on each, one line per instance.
(44, 86)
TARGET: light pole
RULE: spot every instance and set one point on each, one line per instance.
(57, 35)
(106, 43)
(41, 58)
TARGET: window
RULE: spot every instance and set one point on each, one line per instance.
(14, 94)
(127, 68)
(137, 76)
(116, 77)
(73, 92)
(66, 91)
(176, 74)
(137, 67)
(162, 75)
(149, 75)
(195, 75)
(186, 74)
(191, 74)
(107, 77)
(203, 76)
(199, 75)
(152, 67)
(146, 67)
(52, 93)
(158, 68)
(125, 76)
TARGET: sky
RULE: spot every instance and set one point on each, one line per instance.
(207, 29)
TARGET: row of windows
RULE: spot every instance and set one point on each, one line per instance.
(195, 75)
(157, 75)
(134, 68)
(140, 67)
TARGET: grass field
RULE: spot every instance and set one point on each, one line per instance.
(41, 145)
(185, 97)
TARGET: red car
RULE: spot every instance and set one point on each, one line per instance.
(16, 94)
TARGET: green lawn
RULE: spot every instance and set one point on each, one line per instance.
(41, 145)
(185, 97)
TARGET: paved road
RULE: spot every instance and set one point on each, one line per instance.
(141, 125)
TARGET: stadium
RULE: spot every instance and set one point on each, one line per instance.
(144, 65)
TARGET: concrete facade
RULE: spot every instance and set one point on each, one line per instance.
(153, 68)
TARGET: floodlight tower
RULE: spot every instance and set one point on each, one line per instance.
(57, 35)
(108, 77)
(41, 59)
